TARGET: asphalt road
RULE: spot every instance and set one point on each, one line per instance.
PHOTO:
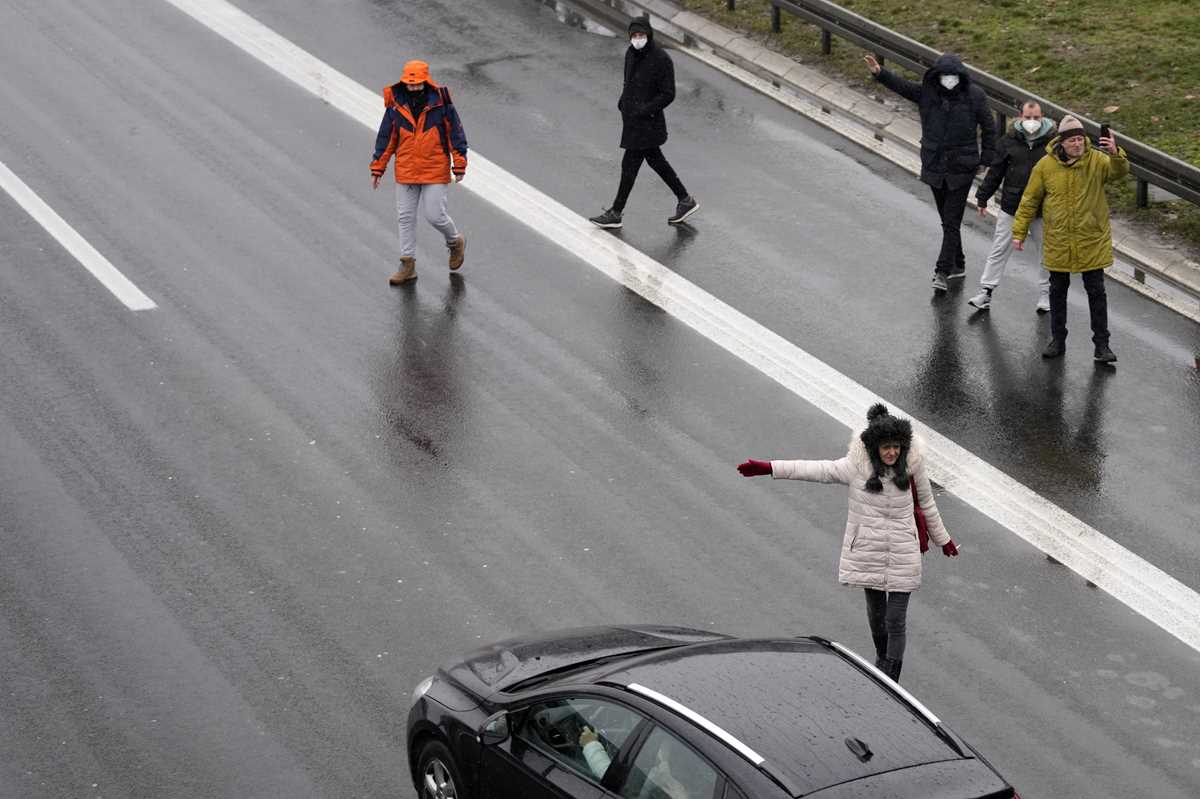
(239, 528)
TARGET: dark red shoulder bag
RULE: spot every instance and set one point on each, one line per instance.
(919, 515)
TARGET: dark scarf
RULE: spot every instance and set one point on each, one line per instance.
(416, 101)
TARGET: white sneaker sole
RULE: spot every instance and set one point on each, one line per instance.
(692, 210)
(606, 225)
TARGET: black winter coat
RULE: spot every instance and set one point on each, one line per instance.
(649, 88)
(952, 122)
(1016, 157)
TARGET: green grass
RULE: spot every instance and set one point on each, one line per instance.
(1139, 57)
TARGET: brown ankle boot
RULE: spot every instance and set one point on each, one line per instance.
(408, 271)
(458, 251)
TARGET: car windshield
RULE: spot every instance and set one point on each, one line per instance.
(797, 705)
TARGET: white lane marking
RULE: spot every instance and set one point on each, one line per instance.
(1143, 587)
(74, 243)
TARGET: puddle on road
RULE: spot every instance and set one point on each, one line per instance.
(569, 16)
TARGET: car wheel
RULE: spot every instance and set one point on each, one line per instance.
(439, 777)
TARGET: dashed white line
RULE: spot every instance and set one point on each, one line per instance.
(1145, 588)
(77, 245)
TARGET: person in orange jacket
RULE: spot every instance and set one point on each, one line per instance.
(422, 130)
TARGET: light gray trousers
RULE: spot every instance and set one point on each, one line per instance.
(1002, 250)
(430, 199)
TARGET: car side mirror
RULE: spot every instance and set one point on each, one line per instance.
(494, 730)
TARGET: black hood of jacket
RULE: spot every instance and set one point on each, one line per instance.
(642, 25)
(947, 64)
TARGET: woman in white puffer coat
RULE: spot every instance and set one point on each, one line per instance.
(881, 552)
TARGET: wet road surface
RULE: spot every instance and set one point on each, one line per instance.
(237, 529)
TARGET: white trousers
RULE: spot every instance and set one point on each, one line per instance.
(1002, 250)
(430, 198)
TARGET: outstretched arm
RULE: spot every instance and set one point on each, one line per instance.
(839, 471)
(907, 89)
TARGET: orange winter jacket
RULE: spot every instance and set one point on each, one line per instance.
(422, 146)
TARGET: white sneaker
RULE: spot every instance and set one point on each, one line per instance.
(982, 300)
(1043, 305)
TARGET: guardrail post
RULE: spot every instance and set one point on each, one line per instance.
(732, 5)
(1001, 123)
(776, 19)
(826, 42)
(1143, 194)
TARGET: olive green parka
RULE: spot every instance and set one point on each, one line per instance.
(1076, 235)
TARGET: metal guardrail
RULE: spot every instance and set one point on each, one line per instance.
(1148, 165)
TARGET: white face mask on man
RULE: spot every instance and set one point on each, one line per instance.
(638, 42)
(1031, 126)
(949, 82)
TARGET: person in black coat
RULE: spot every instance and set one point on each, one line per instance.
(1016, 154)
(954, 119)
(649, 88)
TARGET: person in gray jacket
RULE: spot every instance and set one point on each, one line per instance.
(881, 552)
(1016, 155)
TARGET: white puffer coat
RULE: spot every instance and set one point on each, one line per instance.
(880, 548)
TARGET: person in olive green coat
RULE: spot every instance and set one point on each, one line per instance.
(1067, 186)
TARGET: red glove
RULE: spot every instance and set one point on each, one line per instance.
(753, 468)
(949, 550)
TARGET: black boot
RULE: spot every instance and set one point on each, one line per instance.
(891, 668)
(1055, 348)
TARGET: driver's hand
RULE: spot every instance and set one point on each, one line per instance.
(588, 736)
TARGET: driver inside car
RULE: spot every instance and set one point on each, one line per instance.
(659, 782)
(594, 753)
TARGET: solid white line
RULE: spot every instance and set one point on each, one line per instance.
(74, 243)
(1143, 587)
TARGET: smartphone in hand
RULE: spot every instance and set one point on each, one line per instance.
(1105, 131)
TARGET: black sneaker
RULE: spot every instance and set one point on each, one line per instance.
(686, 207)
(1104, 354)
(957, 273)
(938, 282)
(1055, 349)
(609, 220)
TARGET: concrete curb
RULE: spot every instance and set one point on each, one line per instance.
(891, 133)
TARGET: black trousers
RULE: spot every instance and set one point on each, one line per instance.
(632, 162)
(1093, 284)
(951, 204)
(887, 612)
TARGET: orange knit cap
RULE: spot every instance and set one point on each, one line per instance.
(415, 72)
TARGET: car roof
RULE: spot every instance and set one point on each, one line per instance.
(800, 710)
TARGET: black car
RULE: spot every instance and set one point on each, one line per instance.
(673, 713)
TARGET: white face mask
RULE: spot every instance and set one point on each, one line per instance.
(949, 81)
(1031, 126)
(638, 42)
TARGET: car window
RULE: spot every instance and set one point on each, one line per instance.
(583, 734)
(732, 792)
(666, 768)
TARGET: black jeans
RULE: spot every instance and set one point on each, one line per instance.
(1093, 284)
(632, 162)
(887, 613)
(951, 204)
